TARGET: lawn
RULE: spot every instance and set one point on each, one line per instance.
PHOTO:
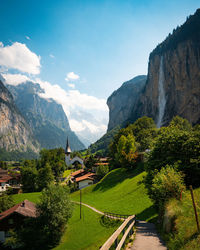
(34, 197)
(120, 191)
(87, 233)
(67, 173)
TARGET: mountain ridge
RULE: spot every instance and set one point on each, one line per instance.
(46, 117)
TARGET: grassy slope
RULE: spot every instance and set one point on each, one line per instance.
(34, 197)
(185, 236)
(120, 191)
(87, 233)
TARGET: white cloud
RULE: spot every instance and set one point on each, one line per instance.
(52, 56)
(71, 76)
(1, 44)
(15, 79)
(18, 56)
(88, 115)
(71, 85)
(28, 38)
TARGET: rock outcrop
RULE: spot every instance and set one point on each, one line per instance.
(15, 133)
(180, 56)
(122, 102)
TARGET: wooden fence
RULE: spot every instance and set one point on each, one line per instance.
(115, 216)
(126, 228)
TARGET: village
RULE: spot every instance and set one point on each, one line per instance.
(11, 183)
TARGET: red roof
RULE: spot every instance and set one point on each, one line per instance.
(2, 180)
(85, 177)
(101, 163)
(25, 208)
(6, 177)
(77, 172)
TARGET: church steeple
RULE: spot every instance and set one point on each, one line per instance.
(67, 149)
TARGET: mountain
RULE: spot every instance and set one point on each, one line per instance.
(46, 118)
(123, 101)
(16, 136)
(121, 104)
(172, 86)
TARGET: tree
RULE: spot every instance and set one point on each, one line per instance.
(144, 131)
(179, 146)
(126, 148)
(45, 177)
(54, 211)
(180, 123)
(102, 170)
(90, 161)
(29, 177)
(166, 184)
(6, 202)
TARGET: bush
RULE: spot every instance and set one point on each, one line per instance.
(102, 170)
(168, 183)
(6, 202)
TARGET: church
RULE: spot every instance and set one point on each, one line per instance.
(68, 159)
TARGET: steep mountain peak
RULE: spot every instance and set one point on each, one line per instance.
(122, 101)
(46, 117)
(15, 133)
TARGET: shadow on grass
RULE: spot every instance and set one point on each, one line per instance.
(149, 214)
(117, 176)
(108, 222)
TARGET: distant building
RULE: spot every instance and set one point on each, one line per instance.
(9, 180)
(68, 159)
(83, 178)
(101, 162)
(13, 217)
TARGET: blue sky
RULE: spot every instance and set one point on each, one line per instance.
(104, 42)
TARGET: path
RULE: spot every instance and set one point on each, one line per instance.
(94, 209)
(97, 211)
(147, 237)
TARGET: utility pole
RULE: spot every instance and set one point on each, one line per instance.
(80, 203)
(195, 210)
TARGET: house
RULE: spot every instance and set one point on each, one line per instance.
(82, 178)
(3, 185)
(101, 162)
(77, 174)
(85, 180)
(13, 217)
(9, 180)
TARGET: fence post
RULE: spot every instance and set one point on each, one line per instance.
(195, 210)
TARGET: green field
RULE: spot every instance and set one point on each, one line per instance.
(120, 191)
(87, 233)
(67, 173)
(34, 197)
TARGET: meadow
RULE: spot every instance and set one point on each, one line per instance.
(120, 191)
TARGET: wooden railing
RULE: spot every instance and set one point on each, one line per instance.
(126, 228)
(114, 216)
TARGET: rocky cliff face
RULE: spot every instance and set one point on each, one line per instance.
(122, 101)
(177, 62)
(46, 118)
(15, 133)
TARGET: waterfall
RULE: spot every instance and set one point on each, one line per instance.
(161, 95)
